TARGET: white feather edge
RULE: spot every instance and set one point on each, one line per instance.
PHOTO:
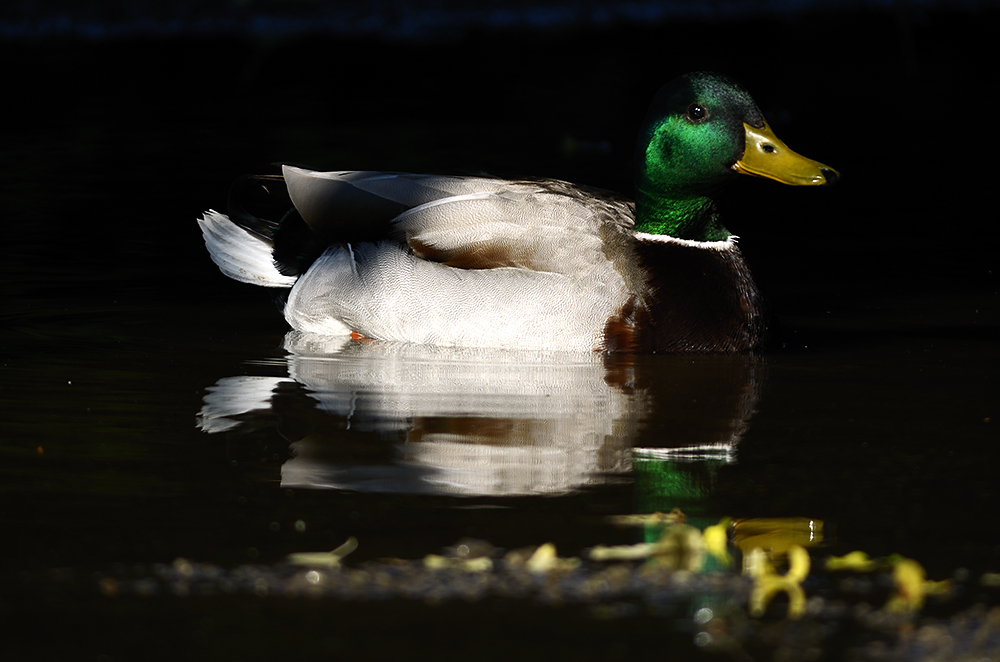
(726, 244)
(239, 254)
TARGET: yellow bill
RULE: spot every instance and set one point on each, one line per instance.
(766, 156)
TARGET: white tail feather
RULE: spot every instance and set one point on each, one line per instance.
(239, 254)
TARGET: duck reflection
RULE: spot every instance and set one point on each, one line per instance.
(384, 417)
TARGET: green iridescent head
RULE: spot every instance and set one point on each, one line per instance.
(700, 131)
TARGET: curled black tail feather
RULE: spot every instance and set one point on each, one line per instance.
(265, 195)
(294, 245)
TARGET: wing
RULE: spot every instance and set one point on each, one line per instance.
(463, 222)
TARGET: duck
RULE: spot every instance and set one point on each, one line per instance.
(539, 264)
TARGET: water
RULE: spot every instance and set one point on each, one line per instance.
(153, 409)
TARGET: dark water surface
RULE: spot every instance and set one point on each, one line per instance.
(152, 409)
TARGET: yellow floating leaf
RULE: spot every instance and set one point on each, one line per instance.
(435, 562)
(329, 559)
(636, 552)
(991, 579)
(545, 559)
(857, 561)
(798, 564)
(764, 590)
(777, 534)
(675, 516)
(716, 539)
(908, 576)
(680, 547)
(478, 564)
(767, 583)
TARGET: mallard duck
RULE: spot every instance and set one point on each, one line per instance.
(541, 263)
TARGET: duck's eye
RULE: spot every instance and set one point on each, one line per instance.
(697, 112)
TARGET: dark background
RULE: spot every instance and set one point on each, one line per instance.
(124, 122)
(111, 143)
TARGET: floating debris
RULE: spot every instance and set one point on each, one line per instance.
(478, 564)
(685, 574)
(715, 539)
(912, 586)
(776, 534)
(856, 561)
(679, 547)
(675, 516)
(768, 583)
(329, 559)
(545, 559)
